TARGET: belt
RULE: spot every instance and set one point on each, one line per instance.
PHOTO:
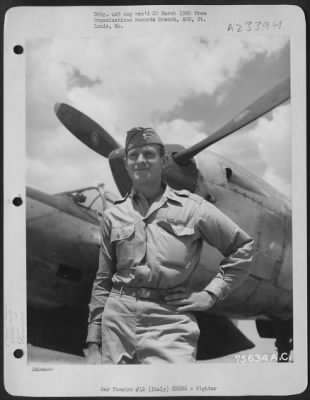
(141, 292)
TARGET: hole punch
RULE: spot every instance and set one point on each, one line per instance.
(17, 201)
(18, 353)
(18, 49)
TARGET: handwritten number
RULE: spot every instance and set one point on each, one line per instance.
(277, 24)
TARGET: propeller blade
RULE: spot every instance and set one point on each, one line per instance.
(86, 130)
(259, 107)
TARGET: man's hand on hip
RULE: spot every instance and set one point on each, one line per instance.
(186, 300)
(93, 354)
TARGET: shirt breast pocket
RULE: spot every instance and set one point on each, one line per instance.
(122, 237)
(176, 243)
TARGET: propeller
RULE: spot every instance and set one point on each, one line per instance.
(99, 140)
(259, 107)
(86, 130)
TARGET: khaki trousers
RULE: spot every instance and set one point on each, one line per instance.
(136, 331)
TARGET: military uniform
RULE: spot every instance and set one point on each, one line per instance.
(145, 252)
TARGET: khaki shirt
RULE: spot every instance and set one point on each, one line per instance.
(159, 246)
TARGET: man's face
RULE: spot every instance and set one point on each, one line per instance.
(144, 164)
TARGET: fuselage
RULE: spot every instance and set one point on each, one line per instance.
(263, 213)
(62, 250)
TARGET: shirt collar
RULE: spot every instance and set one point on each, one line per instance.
(168, 194)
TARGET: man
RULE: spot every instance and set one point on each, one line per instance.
(141, 309)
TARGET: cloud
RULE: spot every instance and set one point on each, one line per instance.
(77, 79)
(278, 182)
(275, 146)
(141, 75)
(182, 132)
(57, 175)
(274, 141)
(65, 163)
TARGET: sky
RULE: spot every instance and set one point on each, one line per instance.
(185, 87)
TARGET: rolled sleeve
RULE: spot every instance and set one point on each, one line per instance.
(235, 245)
(102, 283)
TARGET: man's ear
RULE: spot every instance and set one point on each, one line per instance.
(125, 163)
(165, 159)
